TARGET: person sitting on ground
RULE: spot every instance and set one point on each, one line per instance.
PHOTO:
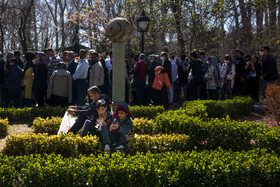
(121, 127)
(87, 112)
(101, 121)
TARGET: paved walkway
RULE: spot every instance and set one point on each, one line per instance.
(259, 107)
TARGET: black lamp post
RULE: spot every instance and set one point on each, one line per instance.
(142, 25)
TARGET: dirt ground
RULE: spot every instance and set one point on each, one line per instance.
(16, 129)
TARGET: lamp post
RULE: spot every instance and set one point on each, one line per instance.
(142, 25)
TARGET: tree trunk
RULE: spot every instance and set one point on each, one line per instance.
(175, 7)
(2, 38)
(272, 14)
(35, 29)
(236, 19)
(62, 7)
(278, 24)
(25, 15)
(259, 20)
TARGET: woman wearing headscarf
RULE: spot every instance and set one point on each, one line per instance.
(40, 78)
(28, 78)
(211, 77)
(252, 78)
(227, 75)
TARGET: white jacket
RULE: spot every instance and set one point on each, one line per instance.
(224, 75)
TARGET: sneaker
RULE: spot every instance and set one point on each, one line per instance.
(119, 149)
(107, 151)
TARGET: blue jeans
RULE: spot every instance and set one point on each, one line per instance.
(223, 92)
(81, 86)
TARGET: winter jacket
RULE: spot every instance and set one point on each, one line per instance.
(28, 78)
(40, 78)
(60, 84)
(225, 76)
(96, 75)
(13, 78)
(125, 126)
(90, 111)
(72, 66)
(269, 69)
(239, 67)
(196, 72)
(211, 75)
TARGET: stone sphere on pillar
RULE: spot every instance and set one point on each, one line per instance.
(118, 30)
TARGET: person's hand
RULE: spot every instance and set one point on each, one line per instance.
(71, 111)
(114, 127)
(104, 123)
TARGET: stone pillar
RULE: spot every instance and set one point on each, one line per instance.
(118, 78)
(118, 31)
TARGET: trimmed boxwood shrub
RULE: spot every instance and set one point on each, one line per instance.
(236, 107)
(143, 126)
(28, 114)
(211, 168)
(158, 143)
(149, 112)
(4, 126)
(48, 125)
(70, 145)
(66, 145)
(270, 139)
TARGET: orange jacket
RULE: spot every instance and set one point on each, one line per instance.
(160, 79)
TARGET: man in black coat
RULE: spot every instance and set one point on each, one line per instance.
(87, 112)
(195, 76)
(269, 73)
(239, 82)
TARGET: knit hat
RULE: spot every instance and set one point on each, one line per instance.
(123, 106)
(158, 69)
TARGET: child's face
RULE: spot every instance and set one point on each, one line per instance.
(101, 111)
(11, 63)
(122, 114)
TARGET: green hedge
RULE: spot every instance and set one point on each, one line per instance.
(158, 143)
(217, 133)
(211, 134)
(236, 107)
(70, 145)
(28, 114)
(48, 125)
(149, 112)
(214, 133)
(143, 126)
(210, 168)
(66, 145)
(4, 126)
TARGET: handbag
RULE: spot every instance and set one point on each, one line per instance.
(23, 82)
(252, 75)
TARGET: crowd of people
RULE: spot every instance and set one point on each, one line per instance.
(44, 78)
